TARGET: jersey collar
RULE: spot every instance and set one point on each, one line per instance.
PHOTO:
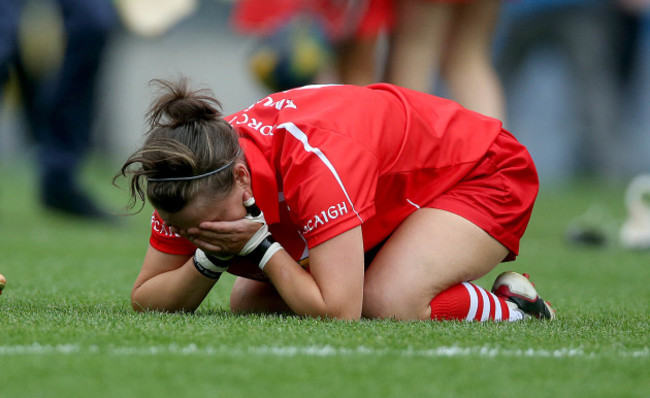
(264, 184)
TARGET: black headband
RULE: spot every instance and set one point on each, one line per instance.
(209, 173)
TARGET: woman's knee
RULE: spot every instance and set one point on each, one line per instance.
(389, 301)
(252, 296)
(243, 296)
(375, 301)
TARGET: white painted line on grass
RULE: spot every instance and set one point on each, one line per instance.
(312, 351)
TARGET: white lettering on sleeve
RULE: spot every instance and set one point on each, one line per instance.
(161, 228)
(325, 216)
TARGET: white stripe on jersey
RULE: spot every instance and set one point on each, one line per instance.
(310, 86)
(302, 137)
(413, 204)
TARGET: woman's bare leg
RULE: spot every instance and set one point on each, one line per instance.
(430, 252)
(356, 61)
(416, 43)
(249, 296)
(467, 66)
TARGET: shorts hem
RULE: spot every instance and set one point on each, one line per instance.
(509, 240)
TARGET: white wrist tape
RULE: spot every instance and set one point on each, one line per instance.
(255, 240)
(205, 262)
(254, 214)
(274, 248)
(261, 246)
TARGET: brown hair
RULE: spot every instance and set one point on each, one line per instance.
(187, 136)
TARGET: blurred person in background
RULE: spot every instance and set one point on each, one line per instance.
(345, 32)
(59, 107)
(452, 38)
(597, 41)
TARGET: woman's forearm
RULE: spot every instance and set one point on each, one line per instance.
(302, 293)
(181, 289)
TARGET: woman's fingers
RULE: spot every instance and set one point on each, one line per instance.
(226, 236)
(220, 229)
(208, 247)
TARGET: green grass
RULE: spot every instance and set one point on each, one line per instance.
(67, 329)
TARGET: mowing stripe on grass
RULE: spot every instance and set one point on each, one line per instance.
(314, 351)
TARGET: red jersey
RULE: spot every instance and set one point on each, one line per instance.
(327, 158)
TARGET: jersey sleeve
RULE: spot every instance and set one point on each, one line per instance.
(329, 183)
(164, 240)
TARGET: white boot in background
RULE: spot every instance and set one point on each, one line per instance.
(153, 18)
(635, 232)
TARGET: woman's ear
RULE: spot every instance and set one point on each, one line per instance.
(242, 176)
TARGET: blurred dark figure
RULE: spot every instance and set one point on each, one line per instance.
(598, 39)
(59, 108)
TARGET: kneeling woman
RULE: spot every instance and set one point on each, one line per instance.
(333, 201)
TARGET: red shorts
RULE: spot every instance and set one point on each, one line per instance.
(498, 194)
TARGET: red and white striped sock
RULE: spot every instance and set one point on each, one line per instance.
(467, 301)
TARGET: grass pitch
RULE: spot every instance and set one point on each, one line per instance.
(67, 329)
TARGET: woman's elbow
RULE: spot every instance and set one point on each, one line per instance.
(141, 303)
(135, 302)
(137, 307)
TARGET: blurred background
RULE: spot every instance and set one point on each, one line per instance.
(575, 74)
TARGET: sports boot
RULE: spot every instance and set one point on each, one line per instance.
(520, 294)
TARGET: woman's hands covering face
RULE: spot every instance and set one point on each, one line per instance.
(226, 239)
